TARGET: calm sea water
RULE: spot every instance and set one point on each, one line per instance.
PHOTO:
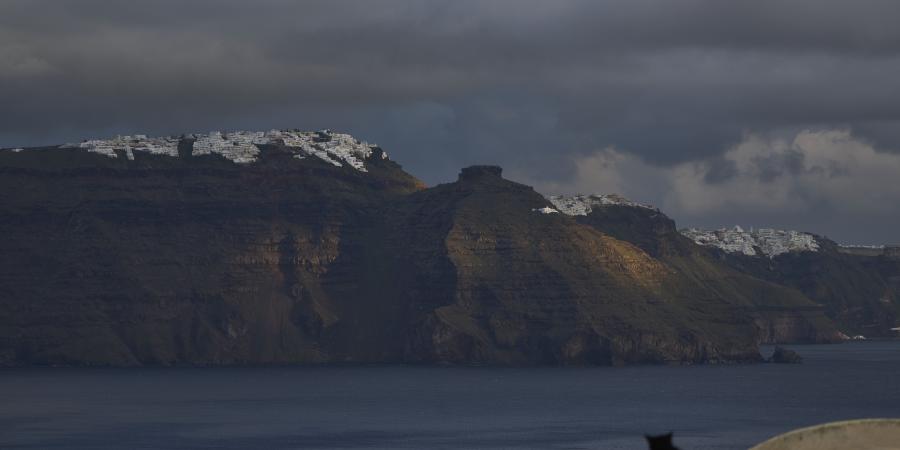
(712, 407)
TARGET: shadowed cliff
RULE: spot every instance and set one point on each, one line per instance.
(782, 313)
(198, 260)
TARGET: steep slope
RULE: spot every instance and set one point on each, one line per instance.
(162, 259)
(518, 285)
(781, 313)
(858, 292)
(313, 247)
(855, 285)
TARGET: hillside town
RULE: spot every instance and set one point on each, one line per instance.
(129, 144)
(241, 147)
(582, 205)
(763, 241)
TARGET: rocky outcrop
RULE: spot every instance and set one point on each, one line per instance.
(795, 324)
(783, 355)
(474, 173)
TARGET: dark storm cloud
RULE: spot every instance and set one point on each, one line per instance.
(532, 85)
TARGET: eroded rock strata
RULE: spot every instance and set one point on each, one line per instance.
(270, 252)
(781, 313)
(855, 285)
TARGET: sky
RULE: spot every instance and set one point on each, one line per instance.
(761, 113)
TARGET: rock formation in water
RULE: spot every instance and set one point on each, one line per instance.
(783, 355)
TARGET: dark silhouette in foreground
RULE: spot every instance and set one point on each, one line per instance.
(661, 442)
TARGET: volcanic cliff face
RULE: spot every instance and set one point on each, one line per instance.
(162, 259)
(858, 292)
(292, 247)
(856, 286)
(521, 286)
(781, 313)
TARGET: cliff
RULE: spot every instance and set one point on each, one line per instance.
(782, 314)
(292, 247)
(858, 292)
(520, 286)
(855, 285)
(167, 259)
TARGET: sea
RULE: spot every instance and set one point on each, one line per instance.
(402, 407)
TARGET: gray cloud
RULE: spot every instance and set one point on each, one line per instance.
(533, 85)
(719, 170)
(772, 166)
(824, 181)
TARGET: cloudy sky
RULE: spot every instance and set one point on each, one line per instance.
(767, 113)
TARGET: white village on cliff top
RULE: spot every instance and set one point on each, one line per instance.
(242, 147)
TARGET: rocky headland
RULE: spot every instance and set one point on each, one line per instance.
(287, 247)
